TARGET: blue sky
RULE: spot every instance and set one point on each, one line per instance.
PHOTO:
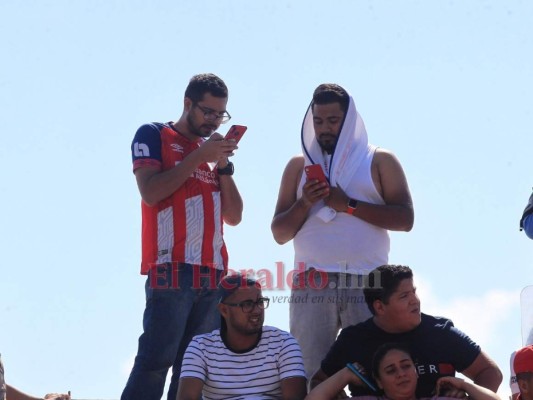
(446, 85)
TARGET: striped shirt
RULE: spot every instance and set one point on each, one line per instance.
(255, 374)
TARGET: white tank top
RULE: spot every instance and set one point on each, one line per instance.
(347, 243)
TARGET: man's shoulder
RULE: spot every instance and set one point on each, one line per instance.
(296, 163)
(151, 128)
(208, 339)
(362, 328)
(279, 339)
(273, 329)
(435, 322)
(293, 171)
(382, 155)
(273, 333)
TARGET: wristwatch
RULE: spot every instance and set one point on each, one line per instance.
(352, 205)
(227, 170)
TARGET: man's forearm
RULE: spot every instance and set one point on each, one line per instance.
(231, 199)
(157, 186)
(390, 217)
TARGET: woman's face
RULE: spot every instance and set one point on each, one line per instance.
(397, 375)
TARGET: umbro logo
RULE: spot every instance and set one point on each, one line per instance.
(140, 150)
(176, 147)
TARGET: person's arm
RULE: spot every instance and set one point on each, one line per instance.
(333, 387)
(528, 226)
(318, 377)
(230, 197)
(397, 213)
(294, 388)
(15, 394)
(484, 372)
(291, 213)
(474, 391)
(156, 185)
(190, 389)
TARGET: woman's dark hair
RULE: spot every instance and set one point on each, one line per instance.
(382, 351)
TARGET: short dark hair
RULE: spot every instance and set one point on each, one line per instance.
(382, 351)
(328, 93)
(230, 283)
(201, 84)
(383, 282)
(526, 376)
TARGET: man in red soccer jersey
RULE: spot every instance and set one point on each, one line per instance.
(185, 201)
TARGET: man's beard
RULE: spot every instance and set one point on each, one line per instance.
(197, 130)
(327, 145)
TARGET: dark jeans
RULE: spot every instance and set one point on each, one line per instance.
(181, 302)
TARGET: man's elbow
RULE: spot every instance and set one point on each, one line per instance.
(278, 234)
(409, 225)
(409, 220)
(280, 239)
(496, 380)
(150, 201)
(490, 378)
(233, 219)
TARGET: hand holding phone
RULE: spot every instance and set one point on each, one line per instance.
(363, 378)
(235, 133)
(315, 171)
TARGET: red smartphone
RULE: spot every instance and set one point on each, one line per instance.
(315, 171)
(235, 132)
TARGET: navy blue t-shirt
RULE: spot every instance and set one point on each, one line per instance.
(438, 349)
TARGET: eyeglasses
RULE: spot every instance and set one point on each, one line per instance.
(247, 306)
(211, 115)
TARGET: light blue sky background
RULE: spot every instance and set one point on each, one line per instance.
(446, 85)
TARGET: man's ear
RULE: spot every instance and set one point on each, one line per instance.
(187, 104)
(223, 309)
(379, 307)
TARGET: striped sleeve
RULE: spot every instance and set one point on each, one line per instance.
(290, 358)
(194, 364)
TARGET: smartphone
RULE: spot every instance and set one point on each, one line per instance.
(361, 376)
(235, 132)
(315, 171)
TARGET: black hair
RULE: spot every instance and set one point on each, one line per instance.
(383, 282)
(526, 376)
(201, 84)
(229, 285)
(328, 93)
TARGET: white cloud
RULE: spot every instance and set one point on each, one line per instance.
(480, 317)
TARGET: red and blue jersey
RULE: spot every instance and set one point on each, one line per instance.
(186, 227)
